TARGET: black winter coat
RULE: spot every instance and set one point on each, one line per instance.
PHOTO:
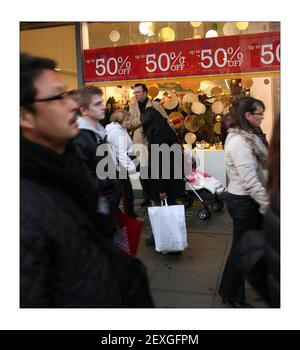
(64, 260)
(173, 187)
(272, 233)
(86, 144)
(259, 255)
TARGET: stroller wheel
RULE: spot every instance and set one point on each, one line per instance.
(203, 214)
(217, 205)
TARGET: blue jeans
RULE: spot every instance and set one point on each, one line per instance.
(245, 215)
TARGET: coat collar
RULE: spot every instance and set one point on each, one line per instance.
(257, 146)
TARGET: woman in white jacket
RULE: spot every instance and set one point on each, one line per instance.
(121, 144)
(247, 200)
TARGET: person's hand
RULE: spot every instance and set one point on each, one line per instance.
(162, 196)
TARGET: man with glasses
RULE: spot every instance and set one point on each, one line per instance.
(64, 259)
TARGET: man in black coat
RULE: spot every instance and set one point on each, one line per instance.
(92, 135)
(65, 259)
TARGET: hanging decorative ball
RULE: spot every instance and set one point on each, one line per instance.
(177, 119)
(242, 25)
(229, 28)
(190, 137)
(166, 34)
(195, 24)
(153, 90)
(211, 34)
(217, 107)
(170, 101)
(190, 98)
(198, 108)
(146, 28)
(218, 118)
(266, 81)
(233, 82)
(114, 36)
(247, 83)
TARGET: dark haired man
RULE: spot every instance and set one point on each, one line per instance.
(64, 260)
(136, 110)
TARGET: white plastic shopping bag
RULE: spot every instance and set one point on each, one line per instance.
(168, 227)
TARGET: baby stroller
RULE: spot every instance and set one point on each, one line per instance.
(208, 191)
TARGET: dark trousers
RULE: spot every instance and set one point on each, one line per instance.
(145, 187)
(126, 193)
(245, 215)
(170, 201)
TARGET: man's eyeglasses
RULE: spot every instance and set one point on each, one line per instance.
(60, 96)
(258, 113)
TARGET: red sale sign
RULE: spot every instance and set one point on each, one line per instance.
(221, 55)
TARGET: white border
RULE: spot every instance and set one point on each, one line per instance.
(11, 317)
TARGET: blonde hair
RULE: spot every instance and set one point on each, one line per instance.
(119, 115)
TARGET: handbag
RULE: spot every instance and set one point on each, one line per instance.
(128, 234)
(168, 227)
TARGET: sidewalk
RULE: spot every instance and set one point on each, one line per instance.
(190, 280)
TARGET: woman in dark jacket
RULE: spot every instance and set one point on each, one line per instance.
(165, 165)
(165, 158)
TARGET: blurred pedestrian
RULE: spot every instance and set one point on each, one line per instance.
(142, 102)
(260, 250)
(158, 133)
(64, 259)
(121, 144)
(92, 134)
(247, 199)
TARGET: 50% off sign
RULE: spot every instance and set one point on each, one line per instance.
(113, 66)
(165, 62)
(230, 57)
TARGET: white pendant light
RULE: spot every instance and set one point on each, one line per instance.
(211, 34)
(146, 28)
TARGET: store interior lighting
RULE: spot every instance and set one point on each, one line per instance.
(146, 28)
(195, 24)
(211, 34)
(230, 28)
(114, 36)
(242, 25)
(166, 34)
